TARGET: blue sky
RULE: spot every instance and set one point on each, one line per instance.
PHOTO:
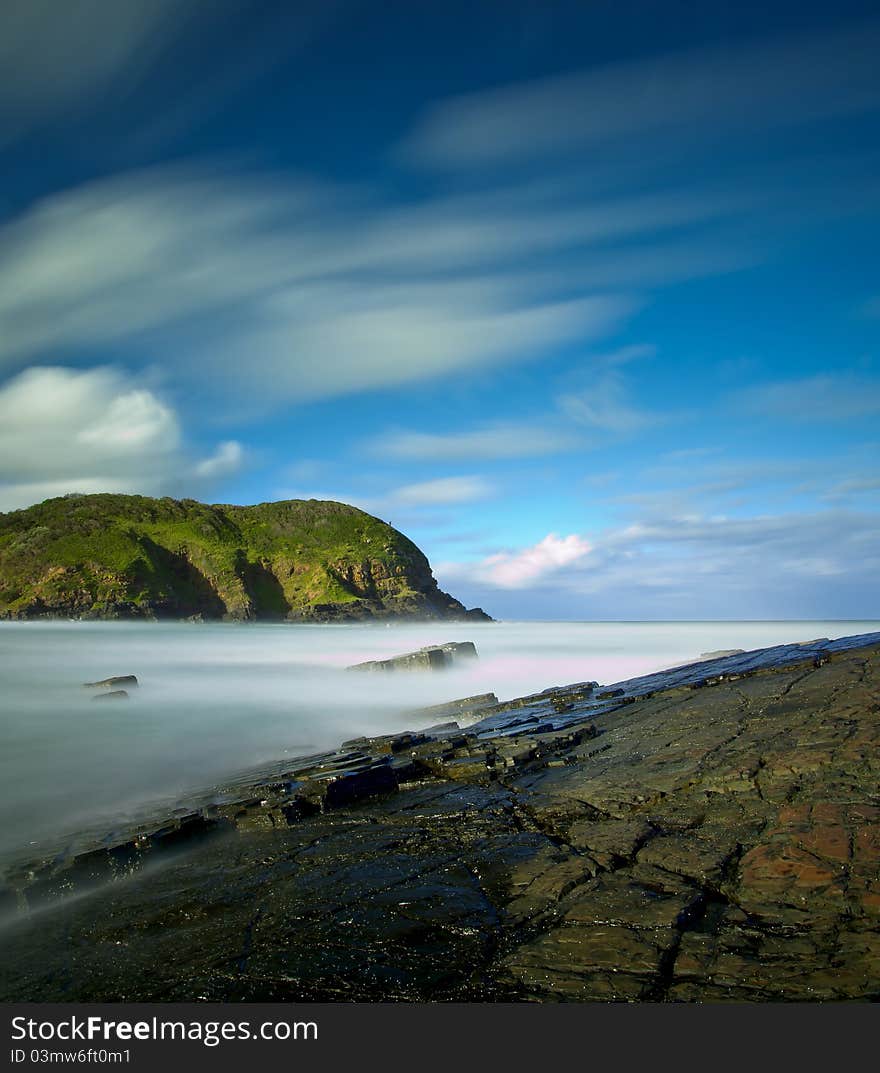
(584, 298)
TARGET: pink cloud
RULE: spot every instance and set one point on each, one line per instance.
(515, 570)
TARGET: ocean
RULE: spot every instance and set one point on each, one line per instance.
(219, 699)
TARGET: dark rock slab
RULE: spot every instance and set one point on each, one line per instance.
(356, 786)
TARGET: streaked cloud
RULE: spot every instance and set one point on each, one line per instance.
(441, 491)
(582, 420)
(407, 501)
(840, 397)
(475, 228)
(851, 487)
(61, 61)
(55, 56)
(496, 441)
(733, 88)
(265, 282)
(713, 467)
(665, 501)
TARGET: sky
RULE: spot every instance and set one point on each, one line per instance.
(582, 297)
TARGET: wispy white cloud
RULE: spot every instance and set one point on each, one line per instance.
(225, 461)
(268, 283)
(582, 421)
(606, 406)
(748, 87)
(441, 491)
(497, 441)
(330, 341)
(683, 500)
(625, 355)
(834, 397)
(406, 500)
(853, 486)
(475, 228)
(683, 468)
(705, 482)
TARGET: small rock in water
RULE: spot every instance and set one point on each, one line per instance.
(432, 658)
(113, 683)
(116, 694)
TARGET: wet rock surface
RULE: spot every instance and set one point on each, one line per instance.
(464, 709)
(708, 833)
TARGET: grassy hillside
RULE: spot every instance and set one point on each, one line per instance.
(119, 556)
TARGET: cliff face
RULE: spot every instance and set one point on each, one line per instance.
(116, 556)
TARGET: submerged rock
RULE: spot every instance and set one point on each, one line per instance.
(114, 694)
(431, 658)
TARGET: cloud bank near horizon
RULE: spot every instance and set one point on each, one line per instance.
(783, 566)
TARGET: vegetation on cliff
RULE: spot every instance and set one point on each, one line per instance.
(124, 556)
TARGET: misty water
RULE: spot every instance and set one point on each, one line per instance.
(219, 699)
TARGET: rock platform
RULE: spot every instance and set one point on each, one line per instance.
(708, 833)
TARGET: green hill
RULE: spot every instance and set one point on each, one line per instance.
(120, 556)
